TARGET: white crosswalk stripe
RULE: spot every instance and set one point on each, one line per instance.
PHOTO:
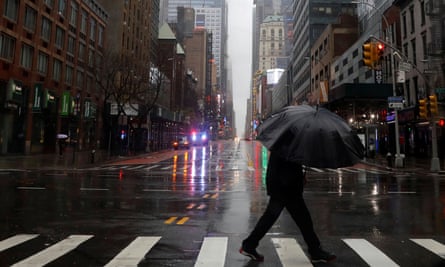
(233, 167)
(369, 253)
(55, 251)
(134, 252)
(213, 251)
(290, 253)
(15, 240)
(431, 245)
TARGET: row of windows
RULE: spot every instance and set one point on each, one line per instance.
(31, 15)
(7, 50)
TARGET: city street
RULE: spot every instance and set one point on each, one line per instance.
(194, 207)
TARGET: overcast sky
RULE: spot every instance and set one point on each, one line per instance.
(240, 54)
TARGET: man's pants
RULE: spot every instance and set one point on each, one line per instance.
(299, 212)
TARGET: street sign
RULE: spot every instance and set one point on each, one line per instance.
(395, 105)
(405, 66)
(395, 99)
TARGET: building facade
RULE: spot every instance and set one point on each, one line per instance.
(47, 85)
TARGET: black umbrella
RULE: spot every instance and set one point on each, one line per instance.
(312, 136)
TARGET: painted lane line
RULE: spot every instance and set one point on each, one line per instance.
(55, 251)
(170, 220)
(206, 196)
(402, 192)
(151, 167)
(315, 169)
(167, 168)
(135, 167)
(431, 245)
(349, 170)
(15, 240)
(183, 220)
(200, 207)
(213, 252)
(31, 188)
(93, 189)
(191, 206)
(290, 253)
(369, 253)
(135, 252)
(251, 169)
(214, 196)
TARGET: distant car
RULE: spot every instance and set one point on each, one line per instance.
(200, 138)
(181, 143)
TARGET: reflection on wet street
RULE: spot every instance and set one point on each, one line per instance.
(185, 199)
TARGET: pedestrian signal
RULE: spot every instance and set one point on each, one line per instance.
(423, 112)
(368, 58)
(434, 109)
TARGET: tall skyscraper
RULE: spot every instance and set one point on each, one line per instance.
(310, 19)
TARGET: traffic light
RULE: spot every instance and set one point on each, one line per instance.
(423, 112)
(441, 122)
(434, 109)
(379, 49)
(368, 57)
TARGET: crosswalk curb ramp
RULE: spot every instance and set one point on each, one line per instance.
(212, 253)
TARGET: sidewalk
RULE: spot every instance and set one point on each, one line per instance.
(410, 163)
(69, 160)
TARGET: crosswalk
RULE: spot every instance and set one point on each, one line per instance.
(229, 167)
(213, 251)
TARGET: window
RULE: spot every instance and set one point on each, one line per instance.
(422, 13)
(49, 3)
(42, 64)
(71, 45)
(79, 81)
(46, 29)
(12, 9)
(424, 45)
(411, 13)
(60, 37)
(413, 48)
(81, 52)
(26, 56)
(100, 36)
(30, 19)
(92, 29)
(69, 75)
(73, 15)
(91, 57)
(7, 45)
(57, 70)
(83, 22)
(404, 25)
(62, 7)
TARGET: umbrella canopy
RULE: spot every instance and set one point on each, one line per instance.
(312, 136)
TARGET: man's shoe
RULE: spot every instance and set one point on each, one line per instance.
(319, 255)
(252, 254)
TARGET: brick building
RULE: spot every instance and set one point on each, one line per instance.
(47, 87)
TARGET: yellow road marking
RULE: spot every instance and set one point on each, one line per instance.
(190, 206)
(183, 220)
(206, 196)
(215, 195)
(170, 220)
(202, 206)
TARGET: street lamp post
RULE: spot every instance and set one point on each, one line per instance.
(398, 159)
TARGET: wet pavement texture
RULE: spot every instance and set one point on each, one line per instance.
(194, 207)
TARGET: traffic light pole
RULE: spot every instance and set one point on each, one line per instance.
(435, 163)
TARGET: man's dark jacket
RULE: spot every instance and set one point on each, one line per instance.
(283, 178)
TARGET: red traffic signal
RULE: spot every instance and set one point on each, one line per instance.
(441, 122)
(380, 49)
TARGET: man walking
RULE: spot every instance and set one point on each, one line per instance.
(284, 183)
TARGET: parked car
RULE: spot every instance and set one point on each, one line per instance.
(200, 138)
(181, 143)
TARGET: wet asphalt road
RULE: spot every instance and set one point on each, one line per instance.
(193, 208)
